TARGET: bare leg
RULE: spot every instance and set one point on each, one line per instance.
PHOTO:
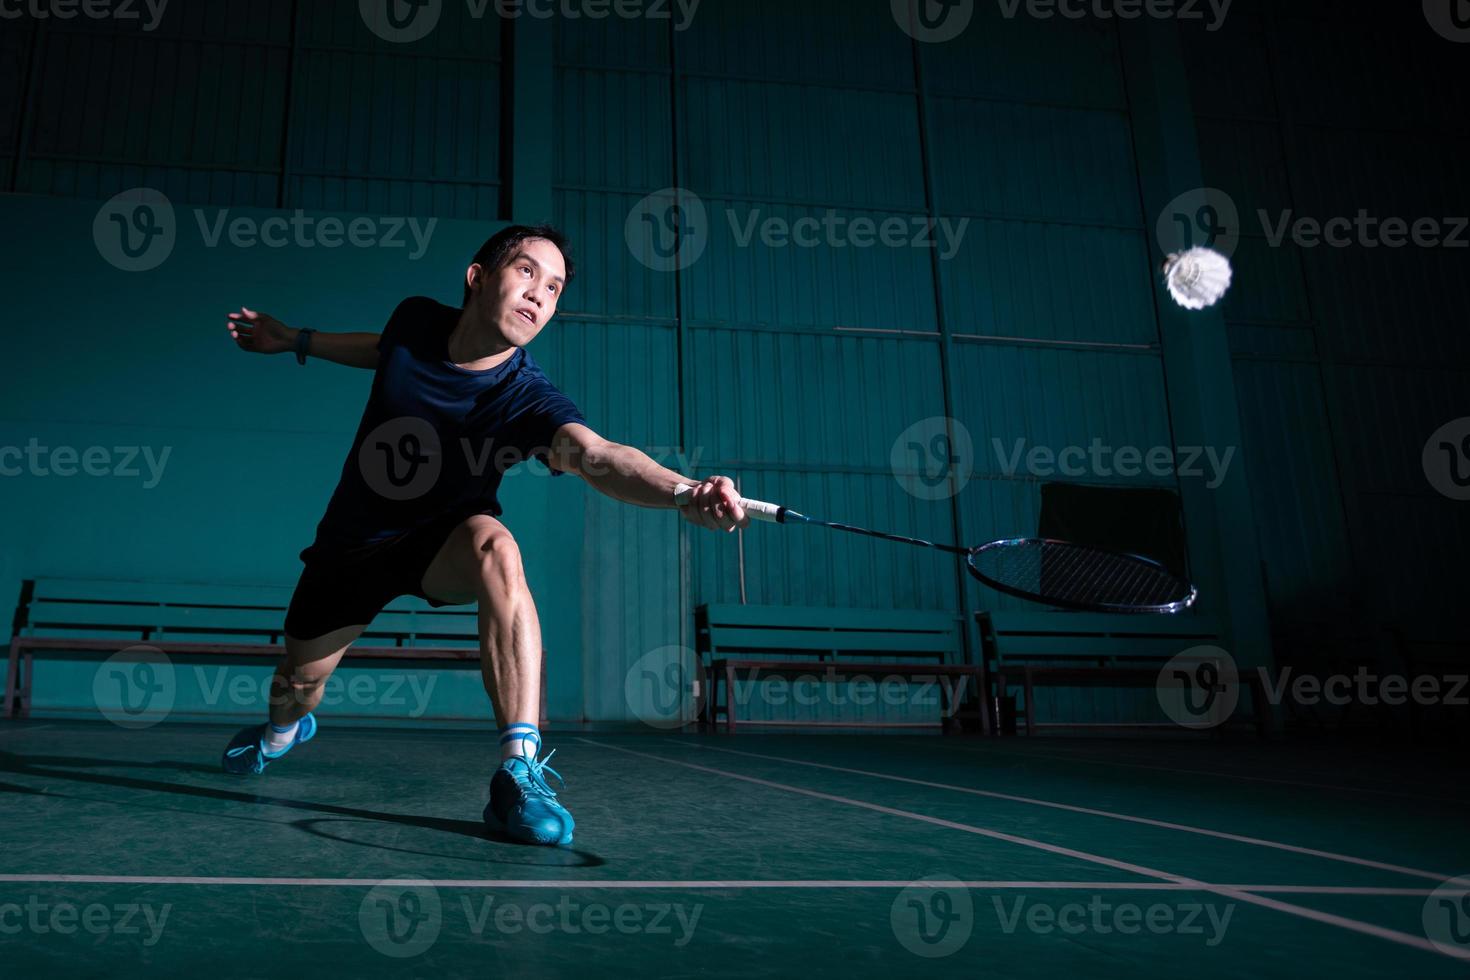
(480, 562)
(303, 671)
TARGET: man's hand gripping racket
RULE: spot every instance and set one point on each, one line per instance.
(1045, 570)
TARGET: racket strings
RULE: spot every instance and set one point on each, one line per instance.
(1075, 575)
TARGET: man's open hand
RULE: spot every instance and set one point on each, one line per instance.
(715, 505)
(261, 333)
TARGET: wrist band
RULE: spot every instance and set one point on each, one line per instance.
(303, 341)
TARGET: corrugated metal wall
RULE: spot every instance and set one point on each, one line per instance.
(1346, 358)
(796, 369)
(276, 103)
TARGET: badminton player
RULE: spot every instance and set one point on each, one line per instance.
(455, 401)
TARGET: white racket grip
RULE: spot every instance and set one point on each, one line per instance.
(756, 510)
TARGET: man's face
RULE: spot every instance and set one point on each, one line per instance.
(520, 297)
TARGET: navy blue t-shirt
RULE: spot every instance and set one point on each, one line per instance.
(434, 439)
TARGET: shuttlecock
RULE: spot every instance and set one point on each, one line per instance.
(1197, 278)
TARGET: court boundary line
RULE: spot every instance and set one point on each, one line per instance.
(1304, 784)
(1108, 814)
(1248, 898)
(714, 884)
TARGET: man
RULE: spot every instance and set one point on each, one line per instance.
(455, 401)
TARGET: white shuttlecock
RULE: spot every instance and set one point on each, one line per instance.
(1197, 278)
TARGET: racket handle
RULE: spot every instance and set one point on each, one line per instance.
(756, 510)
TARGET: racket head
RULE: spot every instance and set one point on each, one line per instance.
(1074, 576)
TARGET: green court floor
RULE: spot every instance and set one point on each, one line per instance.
(128, 853)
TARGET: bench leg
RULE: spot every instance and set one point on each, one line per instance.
(1030, 691)
(28, 667)
(729, 698)
(12, 678)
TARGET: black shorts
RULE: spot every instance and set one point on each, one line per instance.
(334, 592)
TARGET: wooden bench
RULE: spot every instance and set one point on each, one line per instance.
(733, 640)
(57, 616)
(1065, 649)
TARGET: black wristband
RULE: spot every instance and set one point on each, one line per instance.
(303, 341)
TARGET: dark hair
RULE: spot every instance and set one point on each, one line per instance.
(498, 249)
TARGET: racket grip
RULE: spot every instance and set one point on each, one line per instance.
(756, 510)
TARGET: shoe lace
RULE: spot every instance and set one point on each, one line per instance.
(533, 774)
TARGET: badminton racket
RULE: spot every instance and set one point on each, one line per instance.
(1058, 573)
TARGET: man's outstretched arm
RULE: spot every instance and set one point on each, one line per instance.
(630, 475)
(261, 333)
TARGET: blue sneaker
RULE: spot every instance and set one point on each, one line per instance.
(522, 805)
(246, 755)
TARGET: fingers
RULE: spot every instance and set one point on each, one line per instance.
(716, 505)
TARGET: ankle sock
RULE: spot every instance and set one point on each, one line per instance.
(521, 738)
(278, 738)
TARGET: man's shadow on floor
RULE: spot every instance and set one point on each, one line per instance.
(76, 769)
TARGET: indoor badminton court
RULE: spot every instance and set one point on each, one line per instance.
(730, 488)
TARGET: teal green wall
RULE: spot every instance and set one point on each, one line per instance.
(793, 370)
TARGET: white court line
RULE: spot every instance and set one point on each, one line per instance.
(1305, 784)
(700, 884)
(1249, 898)
(1109, 814)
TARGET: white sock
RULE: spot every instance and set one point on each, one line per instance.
(278, 739)
(519, 739)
